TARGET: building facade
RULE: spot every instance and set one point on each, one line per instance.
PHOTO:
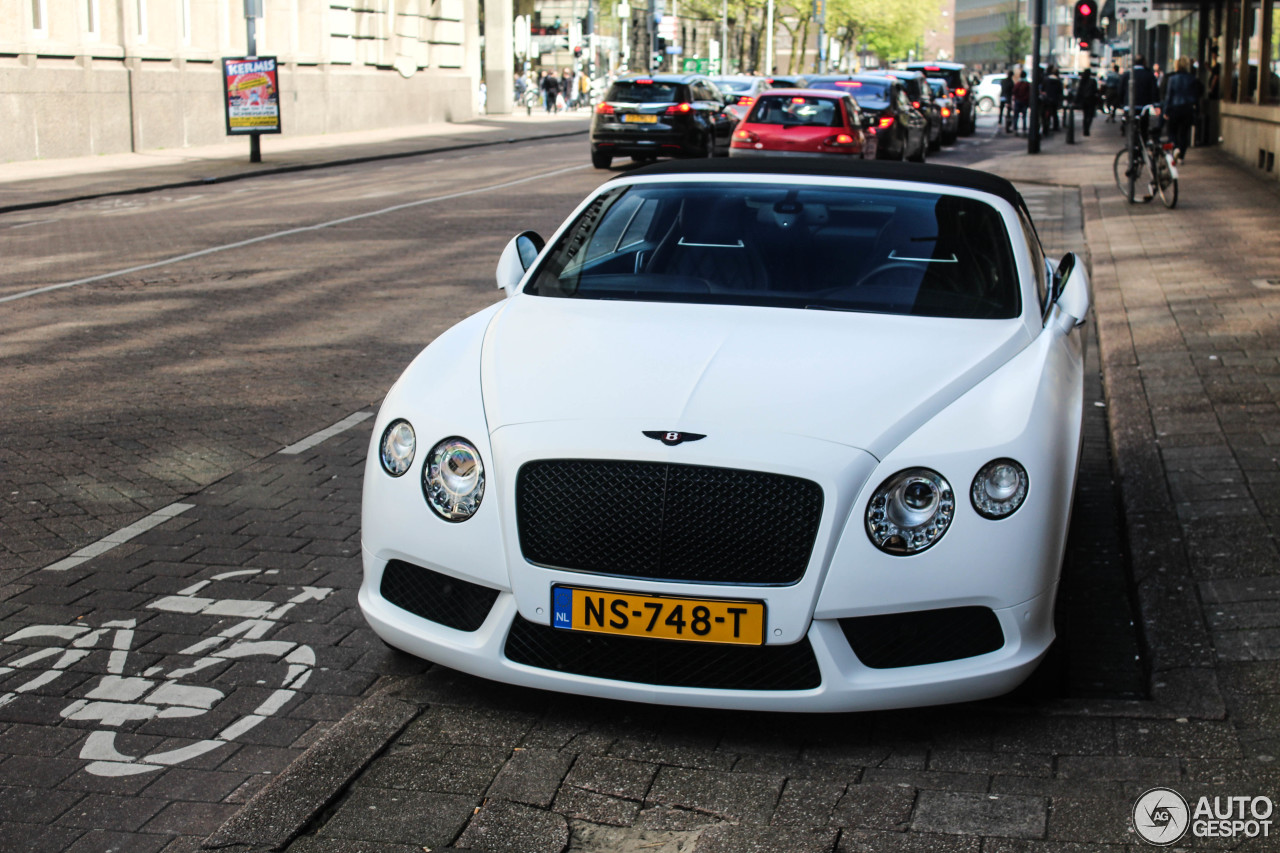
(82, 77)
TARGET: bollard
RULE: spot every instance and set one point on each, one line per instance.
(1071, 125)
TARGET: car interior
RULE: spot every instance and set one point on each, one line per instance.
(842, 249)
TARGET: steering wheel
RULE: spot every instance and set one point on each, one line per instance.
(909, 274)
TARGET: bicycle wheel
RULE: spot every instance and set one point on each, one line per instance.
(1118, 168)
(1166, 183)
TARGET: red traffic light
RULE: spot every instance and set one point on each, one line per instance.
(1085, 9)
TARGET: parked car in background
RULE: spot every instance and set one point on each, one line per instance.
(916, 85)
(804, 123)
(988, 92)
(758, 434)
(660, 115)
(899, 128)
(947, 106)
(953, 73)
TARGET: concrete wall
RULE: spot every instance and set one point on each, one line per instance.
(75, 87)
(1251, 133)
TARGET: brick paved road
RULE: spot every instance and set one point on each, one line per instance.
(491, 767)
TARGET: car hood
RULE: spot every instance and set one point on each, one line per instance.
(862, 380)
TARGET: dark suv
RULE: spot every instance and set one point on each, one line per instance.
(661, 115)
(916, 85)
(953, 73)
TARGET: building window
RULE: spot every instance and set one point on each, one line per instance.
(184, 22)
(39, 18)
(142, 19)
(91, 17)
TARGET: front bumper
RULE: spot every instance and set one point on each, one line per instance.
(846, 683)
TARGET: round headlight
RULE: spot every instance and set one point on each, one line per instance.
(397, 447)
(453, 479)
(999, 488)
(910, 511)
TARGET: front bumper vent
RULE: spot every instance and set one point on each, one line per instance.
(671, 663)
(454, 603)
(924, 636)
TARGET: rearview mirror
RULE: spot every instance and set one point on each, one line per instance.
(516, 259)
(1071, 287)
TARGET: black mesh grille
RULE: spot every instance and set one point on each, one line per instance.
(667, 522)
(667, 662)
(451, 602)
(925, 636)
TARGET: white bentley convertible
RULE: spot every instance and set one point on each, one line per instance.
(796, 437)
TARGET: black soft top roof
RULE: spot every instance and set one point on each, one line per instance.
(946, 176)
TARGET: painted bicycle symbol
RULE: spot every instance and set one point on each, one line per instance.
(124, 695)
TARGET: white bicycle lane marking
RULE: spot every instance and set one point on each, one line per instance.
(118, 698)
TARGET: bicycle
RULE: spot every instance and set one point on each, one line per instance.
(1149, 161)
(128, 694)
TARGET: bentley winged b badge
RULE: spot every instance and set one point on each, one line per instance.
(671, 439)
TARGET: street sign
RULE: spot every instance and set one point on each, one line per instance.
(1132, 10)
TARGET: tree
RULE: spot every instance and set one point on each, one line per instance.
(888, 28)
(1015, 38)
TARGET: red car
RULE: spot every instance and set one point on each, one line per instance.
(804, 123)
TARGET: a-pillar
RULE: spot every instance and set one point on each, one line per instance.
(499, 56)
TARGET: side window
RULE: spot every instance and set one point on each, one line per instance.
(701, 91)
(1038, 266)
(903, 101)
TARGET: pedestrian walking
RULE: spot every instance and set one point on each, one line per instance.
(1213, 96)
(550, 88)
(1005, 117)
(1145, 89)
(1021, 102)
(1051, 95)
(569, 88)
(1181, 96)
(1087, 98)
(1113, 91)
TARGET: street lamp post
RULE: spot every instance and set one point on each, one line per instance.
(252, 12)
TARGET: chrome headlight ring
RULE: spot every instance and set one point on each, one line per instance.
(397, 447)
(910, 511)
(999, 489)
(453, 479)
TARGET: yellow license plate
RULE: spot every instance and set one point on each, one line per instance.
(704, 620)
(638, 118)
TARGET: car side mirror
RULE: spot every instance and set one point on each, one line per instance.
(1071, 287)
(516, 259)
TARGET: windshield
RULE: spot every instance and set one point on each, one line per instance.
(939, 87)
(792, 110)
(871, 90)
(733, 85)
(832, 248)
(645, 93)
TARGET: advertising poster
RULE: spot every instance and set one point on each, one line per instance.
(253, 94)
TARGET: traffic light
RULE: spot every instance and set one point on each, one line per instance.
(1082, 25)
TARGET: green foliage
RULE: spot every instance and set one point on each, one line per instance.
(889, 28)
(1014, 39)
